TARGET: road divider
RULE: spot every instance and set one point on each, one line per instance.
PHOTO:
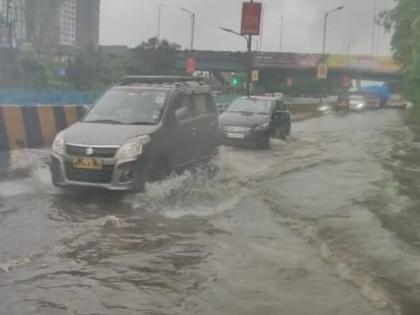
(35, 126)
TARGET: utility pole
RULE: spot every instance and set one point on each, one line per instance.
(281, 33)
(262, 27)
(159, 20)
(326, 15)
(9, 23)
(192, 15)
(372, 43)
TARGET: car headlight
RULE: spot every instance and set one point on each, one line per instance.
(131, 149)
(263, 127)
(58, 144)
(361, 105)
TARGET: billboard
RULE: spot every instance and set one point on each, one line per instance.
(286, 60)
(380, 64)
(251, 18)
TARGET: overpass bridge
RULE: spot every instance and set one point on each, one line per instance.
(363, 67)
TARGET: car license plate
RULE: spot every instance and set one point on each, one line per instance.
(89, 164)
(235, 135)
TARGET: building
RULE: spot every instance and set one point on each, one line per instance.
(87, 22)
(74, 23)
(16, 17)
(68, 23)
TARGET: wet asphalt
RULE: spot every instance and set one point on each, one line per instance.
(327, 222)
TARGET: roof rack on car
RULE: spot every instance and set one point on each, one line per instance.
(132, 79)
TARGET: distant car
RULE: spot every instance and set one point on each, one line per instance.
(342, 103)
(397, 101)
(357, 103)
(254, 120)
(138, 132)
(372, 100)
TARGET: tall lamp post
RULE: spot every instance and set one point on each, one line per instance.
(281, 32)
(248, 40)
(326, 15)
(159, 20)
(349, 44)
(192, 15)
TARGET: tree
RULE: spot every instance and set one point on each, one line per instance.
(153, 57)
(404, 22)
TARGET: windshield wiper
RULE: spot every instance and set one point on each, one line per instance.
(104, 121)
(142, 123)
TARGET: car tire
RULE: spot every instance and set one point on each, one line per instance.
(282, 132)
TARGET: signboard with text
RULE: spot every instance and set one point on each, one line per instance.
(322, 71)
(251, 18)
(255, 76)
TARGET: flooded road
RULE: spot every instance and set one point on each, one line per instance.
(325, 223)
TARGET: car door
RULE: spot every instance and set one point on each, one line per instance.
(207, 123)
(182, 132)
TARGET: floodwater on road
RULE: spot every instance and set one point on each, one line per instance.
(327, 222)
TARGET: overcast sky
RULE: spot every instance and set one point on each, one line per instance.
(129, 22)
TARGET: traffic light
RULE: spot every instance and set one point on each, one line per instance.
(235, 81)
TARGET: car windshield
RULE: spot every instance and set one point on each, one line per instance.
(357, 98)
(254, 106)
(142, 107)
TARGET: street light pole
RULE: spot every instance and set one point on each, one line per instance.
(349, 44)
(159, 20)
(326, 15)
(281, 32)
(192, 15)
(248, 39)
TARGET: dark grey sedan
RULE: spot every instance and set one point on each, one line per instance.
(254, 120)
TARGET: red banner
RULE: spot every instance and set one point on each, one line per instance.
(251, 18)
(191, 65)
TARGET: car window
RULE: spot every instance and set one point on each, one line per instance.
(128, 107)
(183, 109)
(280, 106)
(251, 105)
(200, 106)
(203, 104)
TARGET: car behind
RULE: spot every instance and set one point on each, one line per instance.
(253, 121)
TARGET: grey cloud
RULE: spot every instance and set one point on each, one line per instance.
(132, 21)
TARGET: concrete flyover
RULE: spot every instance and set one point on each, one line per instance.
(354, 66)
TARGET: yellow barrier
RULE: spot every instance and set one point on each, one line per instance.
(35, 126)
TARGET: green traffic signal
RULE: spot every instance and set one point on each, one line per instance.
(235, 82)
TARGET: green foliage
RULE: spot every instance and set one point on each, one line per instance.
(153, 57)
(404, 21)
(35, 72)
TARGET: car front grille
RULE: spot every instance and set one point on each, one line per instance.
(103, 176)
(236, 129)
(95, 152)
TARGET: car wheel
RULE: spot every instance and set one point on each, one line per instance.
(282, 132)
